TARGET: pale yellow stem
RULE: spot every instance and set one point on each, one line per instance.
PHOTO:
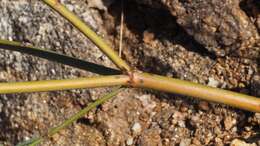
(141, 80)
(54, 85)
(79, 24)
(171, 85)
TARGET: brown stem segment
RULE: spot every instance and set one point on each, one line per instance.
(161, 83)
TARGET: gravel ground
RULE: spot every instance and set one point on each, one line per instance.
(135, 117)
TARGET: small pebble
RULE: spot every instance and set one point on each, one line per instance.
(99, 4)
(229, 122)
(137, 128)
(237, 142)
(181, 124)
(257, 115)
(196, 141)
(203, 105)
(148, 37)
(184, 107)
(185, 142)
(147, 102)
(130, 141)
(219, 142)
(213, 83)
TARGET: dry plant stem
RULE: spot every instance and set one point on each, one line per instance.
(56, 5)
(121, 28)
(141, 80)
(161, 83)
(55, 85)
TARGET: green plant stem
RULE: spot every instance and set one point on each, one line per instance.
(78, 23)
(60, 58)
(53, 85)
(141, 80)
(77, 116)
(161, 83)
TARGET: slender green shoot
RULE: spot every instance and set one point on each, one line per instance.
(78, 23)
(72, 119)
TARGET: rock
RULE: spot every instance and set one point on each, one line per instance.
(181, 124)
(150, 137)
(255, 119)
(147, 102)
(100, 4)
(219, 142)
(148, 37)
(184, 107)
(255, 85)
(137, 128)
(229, 122)
(195, 141)
(195, 120)
(203, 105)
(257, 115)
(130, 141)
(237, 142)
(185, 142)
(178, 118)
(219, 25)
(213, 83)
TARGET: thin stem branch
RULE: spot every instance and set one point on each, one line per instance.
(54, 85)
(171, 85)
(74, 118)
(79, 24)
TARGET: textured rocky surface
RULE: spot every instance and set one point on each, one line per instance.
(160, 45)
(220, 25)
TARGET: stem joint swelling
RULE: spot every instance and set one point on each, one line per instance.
(133, 80)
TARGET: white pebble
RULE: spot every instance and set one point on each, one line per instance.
(130, 141)
(213, 83)
(137, 128)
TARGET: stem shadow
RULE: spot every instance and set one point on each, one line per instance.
(59, 58)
